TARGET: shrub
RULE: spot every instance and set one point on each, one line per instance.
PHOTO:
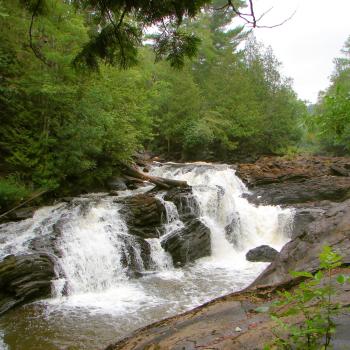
(11, 192)
(313, 300)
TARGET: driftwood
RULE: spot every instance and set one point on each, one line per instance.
(131, 172)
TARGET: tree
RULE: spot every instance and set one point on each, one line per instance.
(332, 121)
(120, 27)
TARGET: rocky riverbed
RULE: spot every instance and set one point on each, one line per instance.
(319, 189)
(155, 230)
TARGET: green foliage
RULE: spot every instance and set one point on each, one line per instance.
(331, 119)
(11, 192)
(227, 103)
(312, 300)
(67, 130)
(61, 128)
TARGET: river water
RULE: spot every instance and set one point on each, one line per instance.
(95, 302)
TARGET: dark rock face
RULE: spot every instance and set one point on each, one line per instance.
(144, 214)
(188, 244)
(319, 189)
(332, 228)
(264, 253)
(185, 202)
(21, 214)
(193, 241)
(117, 184)
(24, 278)
(133, 261)
(278, 169)
(333, 188)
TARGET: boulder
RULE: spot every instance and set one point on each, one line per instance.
(24, 278)
(117, 184)
(280, 169)
(263, 253)
(184, 201)
(188, 244)
(136, 255)
(321, 188)
(232, 231)
(22, 213)
(144, 215)
(332, 228)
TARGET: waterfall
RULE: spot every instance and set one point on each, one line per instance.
(235, 224)
(108, 278)
(173, 222)
(91, 246)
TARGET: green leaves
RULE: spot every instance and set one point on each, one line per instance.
(175, 46)
(331, 120)
(311, 300)
(329, 259)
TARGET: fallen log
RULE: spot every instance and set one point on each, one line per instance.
(158, 181)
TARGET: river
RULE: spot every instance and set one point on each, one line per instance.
(94, 301)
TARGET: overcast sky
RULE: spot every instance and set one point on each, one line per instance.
(307, 44)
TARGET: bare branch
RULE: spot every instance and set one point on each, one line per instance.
(252, 12)
(281, 23)
(250, 18)
(264, 14)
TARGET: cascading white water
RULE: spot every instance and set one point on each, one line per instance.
(91, 248)
(161, 260)
(173, 222)
(229, 216)
(96, 251)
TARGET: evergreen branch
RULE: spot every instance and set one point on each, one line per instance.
(117, 32)
(36, 52)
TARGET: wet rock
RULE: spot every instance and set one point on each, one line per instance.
(263, 253)
(332, 188)
(332, 228)
(232, 231)
(21, 214)
(184, 201)
(188, 244)
(136, 255)
(193, 240)
(117, 184)
(24, 278)
(269, 170)
(144, 215)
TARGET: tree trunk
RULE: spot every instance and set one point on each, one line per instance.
(158, 181)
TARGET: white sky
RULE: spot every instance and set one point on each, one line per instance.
(307, 44)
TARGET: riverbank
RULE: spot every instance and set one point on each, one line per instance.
(319, 188)
(125, 259)
(238, 321)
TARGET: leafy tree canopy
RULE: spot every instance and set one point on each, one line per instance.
(119, 27)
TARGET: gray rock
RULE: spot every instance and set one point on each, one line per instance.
(188, 244)
(130, 257)
(263, 253)
(117, 184)
(332, 188)
(23, 213)
(24, 278)
(301, 253)
(144, 215)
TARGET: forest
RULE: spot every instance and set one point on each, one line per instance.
(70, 118)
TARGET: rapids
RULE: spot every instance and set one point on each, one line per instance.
(94, 300)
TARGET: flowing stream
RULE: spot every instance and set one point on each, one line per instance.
(95, 300)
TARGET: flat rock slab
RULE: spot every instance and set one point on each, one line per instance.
(238, 321)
